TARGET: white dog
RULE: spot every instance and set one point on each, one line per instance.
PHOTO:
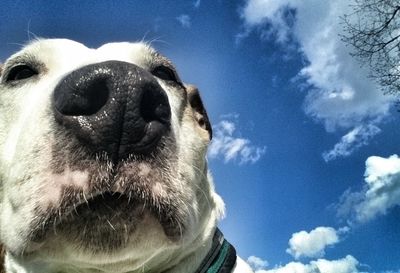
(102, 164)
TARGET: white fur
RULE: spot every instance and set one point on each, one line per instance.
(28, 182)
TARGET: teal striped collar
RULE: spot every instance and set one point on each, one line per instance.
(221, 258)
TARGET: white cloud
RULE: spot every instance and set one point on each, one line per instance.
(381, 191)
(259, 12)
(257, 263)
(346, 265)
(184, 20)
(196, 4)
(356, 138)
(340, 94)
(312, 244)
(227, 144)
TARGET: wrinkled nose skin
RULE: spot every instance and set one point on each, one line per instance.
(113, 107)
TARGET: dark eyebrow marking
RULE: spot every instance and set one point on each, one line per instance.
(159, 59)
(21, 59)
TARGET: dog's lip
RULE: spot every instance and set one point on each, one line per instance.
(88, 206)
(107, 198)
(104, 196)
(107, 195)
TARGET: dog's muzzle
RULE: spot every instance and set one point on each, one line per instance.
(113, 107)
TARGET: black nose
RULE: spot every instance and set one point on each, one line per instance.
(113, 107)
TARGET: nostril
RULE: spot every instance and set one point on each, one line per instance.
(154, 106)
(81, 100)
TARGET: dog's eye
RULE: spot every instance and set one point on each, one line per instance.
(20, 72)
(165, 73)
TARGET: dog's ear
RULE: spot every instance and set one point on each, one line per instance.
(198, 107)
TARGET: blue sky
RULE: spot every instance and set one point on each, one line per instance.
(305, 145)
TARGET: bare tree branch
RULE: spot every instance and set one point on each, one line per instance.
(373, 32)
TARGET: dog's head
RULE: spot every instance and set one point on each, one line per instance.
(102, 153)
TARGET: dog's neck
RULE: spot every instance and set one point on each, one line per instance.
(184, 259)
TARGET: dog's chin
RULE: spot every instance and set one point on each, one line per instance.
(106, 223)
(108, 216)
